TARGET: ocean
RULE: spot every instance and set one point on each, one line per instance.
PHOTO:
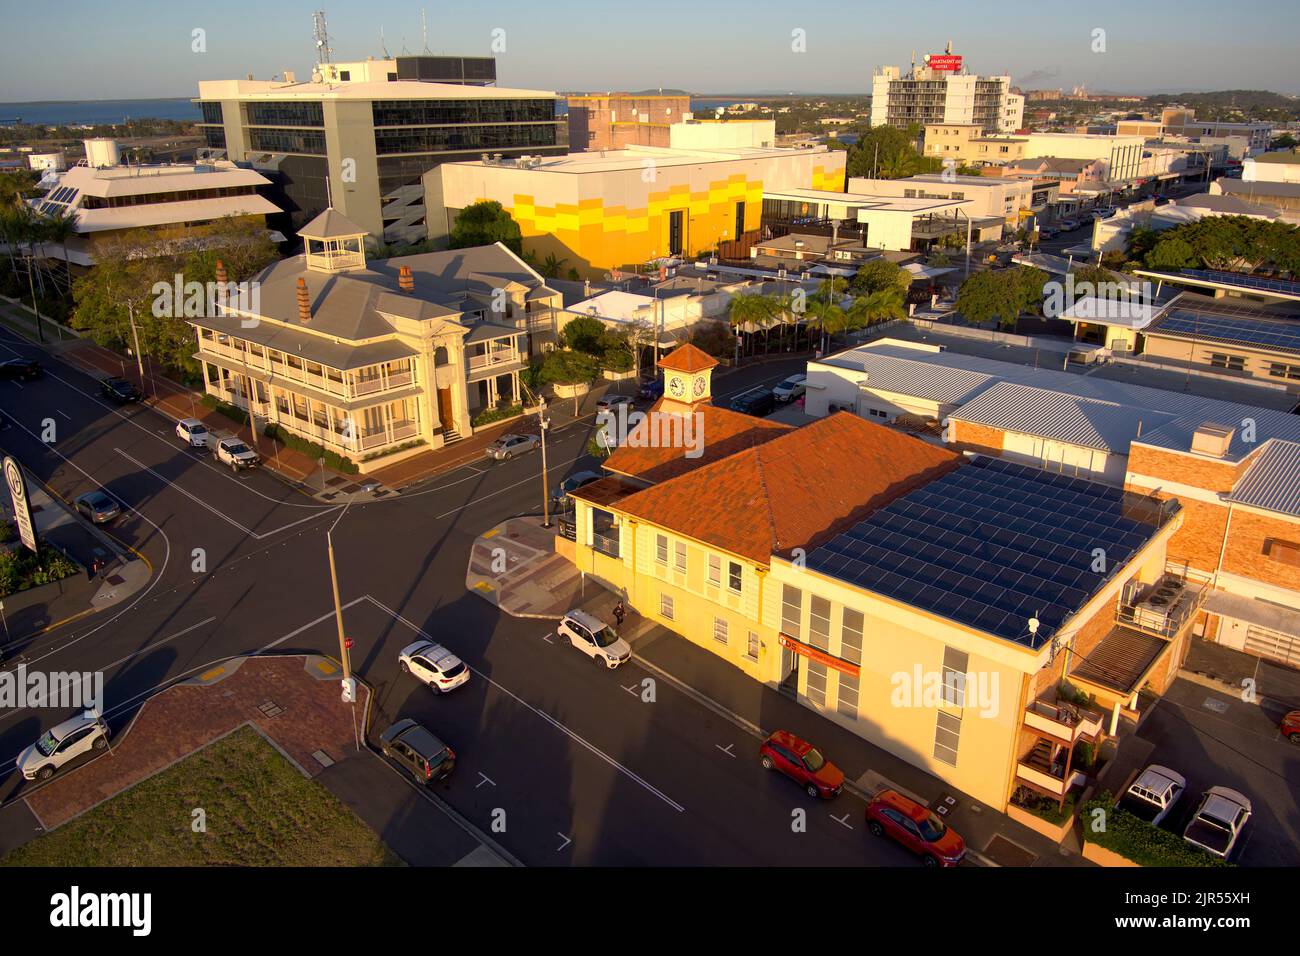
(97, 112)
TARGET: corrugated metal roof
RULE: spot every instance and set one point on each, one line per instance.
(1088, 422)
(1273, 481)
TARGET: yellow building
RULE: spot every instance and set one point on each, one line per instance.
(968, 145)
(604, 210)
(932, 603)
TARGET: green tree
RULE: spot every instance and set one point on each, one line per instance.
(551, 266)
(748, 313)
(1001, 294)
(483, 223)
(880, 274)
(567, 367)
(584, 334)
(885, 152)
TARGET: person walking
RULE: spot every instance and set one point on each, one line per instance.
(620, 612)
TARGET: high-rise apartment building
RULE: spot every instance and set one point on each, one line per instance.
(941, 91)
(361, 135)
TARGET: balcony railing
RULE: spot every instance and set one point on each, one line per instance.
(503, 357)
(285, 374)
(1163, 621)
(1062, 721)
(605, 544)
(1049, 782)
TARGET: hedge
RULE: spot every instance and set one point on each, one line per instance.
(313, 449)
(393, 451)
(490, 415)
(1045, 808)
(232, 412)
(1138, 841)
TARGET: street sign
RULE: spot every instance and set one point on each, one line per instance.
(22, 509)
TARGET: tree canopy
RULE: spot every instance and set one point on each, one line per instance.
(884, 152)
(483, 223)
(1001, 294)
(879, 275)
(1232, 243)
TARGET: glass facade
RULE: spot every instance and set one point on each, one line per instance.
(462, 112)
(214, 137)
(285, 114)
(440, 139)
(287, 141)
(212, 113)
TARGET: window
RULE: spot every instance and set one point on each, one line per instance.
(661, 548)
(1235, 362)
(735, 578)
(752, 648)
(715, 570)
(819, 623)
(947, 734)
(1283, 551)
(851, 636)
(817, 683)
(791, 610)
(681, 556)
(666, 606)
(675, 232)
(877, 413)
(740, 219)
(345, 75)
(955, 664)
(1280, 370)
(720, 630)
(847, 704)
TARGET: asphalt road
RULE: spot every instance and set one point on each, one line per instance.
(559, 760)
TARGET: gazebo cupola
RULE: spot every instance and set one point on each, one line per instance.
(333, 243)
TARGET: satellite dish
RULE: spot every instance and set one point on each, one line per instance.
(1033, 625)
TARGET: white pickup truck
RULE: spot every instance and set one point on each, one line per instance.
(1219, 821)
(233, 451)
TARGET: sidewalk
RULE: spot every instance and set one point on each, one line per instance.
(514, 566)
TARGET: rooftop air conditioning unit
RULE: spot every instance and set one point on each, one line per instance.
(1212, 440)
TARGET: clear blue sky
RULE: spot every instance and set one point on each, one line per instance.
(101, 49)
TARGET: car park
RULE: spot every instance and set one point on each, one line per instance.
(560, 496)
(233, 452)
(433, 665)
(418, 751)
(757, 401)
(594, 638)
(791, 388)
(609, 403)
(97, 506)
(193, 432)
(507, 446)
(1153, 794)
(915, 826)
(83, 734)
(119, 390)
(802, 763)
(21, 370)
(1220, 818)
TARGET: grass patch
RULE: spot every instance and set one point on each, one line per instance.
(260, 812)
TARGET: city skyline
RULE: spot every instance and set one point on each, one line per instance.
(151, 48)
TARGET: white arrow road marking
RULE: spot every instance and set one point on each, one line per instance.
(566, 842)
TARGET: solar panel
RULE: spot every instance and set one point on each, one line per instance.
(1273, 334)
(1017, 555)
(1238, 280)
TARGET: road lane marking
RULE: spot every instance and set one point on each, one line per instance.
(842, 821)
(575, 737)
(727, 749)
(485, 779)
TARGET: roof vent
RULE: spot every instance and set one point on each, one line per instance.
(405, 281)
(304, 302)
(1212, 440)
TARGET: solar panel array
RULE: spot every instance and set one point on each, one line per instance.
(993, 544)
(1259, 283)
(1274, 334)
(57, 202)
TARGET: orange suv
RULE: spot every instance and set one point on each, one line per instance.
(803, 763)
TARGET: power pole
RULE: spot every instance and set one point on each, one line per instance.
(544, 424)
(345, 658)
(135, 333)
(36, 306)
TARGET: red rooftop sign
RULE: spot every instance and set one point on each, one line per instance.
(948, 62)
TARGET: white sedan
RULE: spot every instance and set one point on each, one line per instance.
(433, 665)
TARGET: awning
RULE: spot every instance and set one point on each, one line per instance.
(1262, 613)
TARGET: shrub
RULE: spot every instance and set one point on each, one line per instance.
(314, 450)
(1138, 841)
(225, 408)
(20, 569)
(394, 450)
(1045, 808)
(490, 415)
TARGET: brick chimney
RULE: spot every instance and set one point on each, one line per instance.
(223, 293)
(304, 302)
(406, 281)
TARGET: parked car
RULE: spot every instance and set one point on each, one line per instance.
(791, 388)
(21, 369)
(652, 389)
(233, 452)
(119, 390)
(757, 401)
(193, 432)
(610, 403)
(594, 638)
(1219, 819)
(1046, 232)
(433, 665)
(1069, 225)
(58, 745)
(507, 446)
(1153, 794)
(560, 496)
(916, 826)
(802, 763)
(418, 751)
(97, 506)
(1290, 727)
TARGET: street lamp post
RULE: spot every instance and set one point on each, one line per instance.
(345, 658)
(135, 334)
(544, 423)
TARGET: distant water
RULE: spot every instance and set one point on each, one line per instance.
(97, 112)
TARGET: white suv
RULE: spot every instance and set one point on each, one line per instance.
(193, 432)
(58, 745)
(594, 638)
(791, 388)
(434, 665)
(235, 453)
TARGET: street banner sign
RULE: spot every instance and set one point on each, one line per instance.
(22, 509)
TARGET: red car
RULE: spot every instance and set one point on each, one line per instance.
(803, 763)
(916, 827)
(1291, 727)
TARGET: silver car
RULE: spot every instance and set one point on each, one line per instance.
(507, 446)
(59, 745)
(98, 507)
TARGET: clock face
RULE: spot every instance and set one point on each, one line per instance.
(676, 386)
(698, 388)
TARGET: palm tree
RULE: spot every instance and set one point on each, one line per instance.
(550, 267)
(824, 315)
(747, 312)
(60, 228)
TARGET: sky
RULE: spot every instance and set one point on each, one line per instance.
(123, 49)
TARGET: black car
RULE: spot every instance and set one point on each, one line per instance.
(21, 369)
(757, 401)
(119, 390)
(560, 496)
(422, 754)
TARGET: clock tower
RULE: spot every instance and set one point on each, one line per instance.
(688, 373)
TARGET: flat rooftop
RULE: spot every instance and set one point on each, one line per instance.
(636, 157)
(376, 90)
(993, 544)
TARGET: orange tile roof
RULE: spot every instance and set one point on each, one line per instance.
(688, 358)
(793, 491)
(723, 431)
